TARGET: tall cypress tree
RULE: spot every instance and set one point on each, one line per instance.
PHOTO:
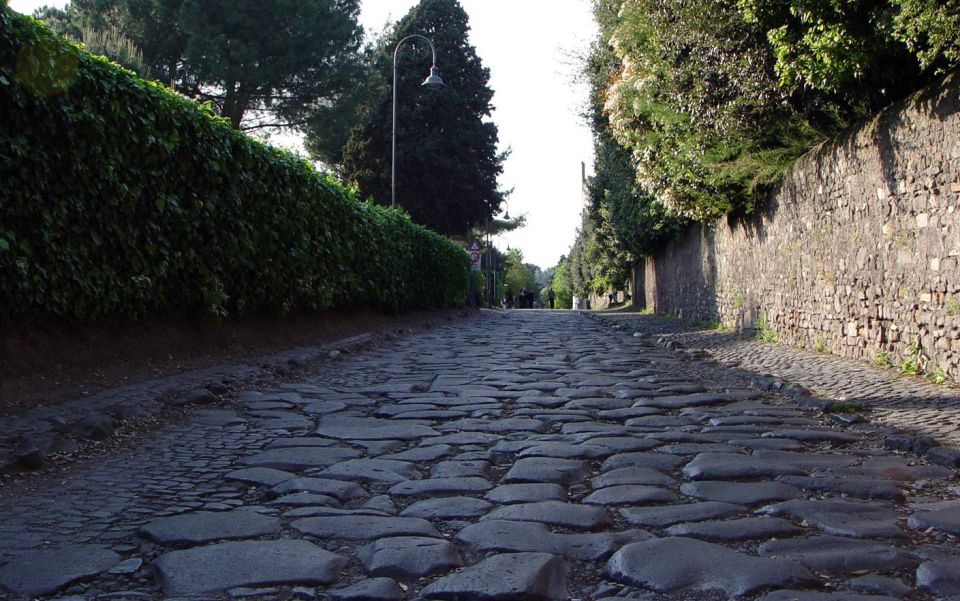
(447, 160)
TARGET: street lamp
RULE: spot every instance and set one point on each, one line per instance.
(432, 81)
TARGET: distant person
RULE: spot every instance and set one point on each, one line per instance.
(551, 297)
(508, 299)
(523, 298)
(612, 296)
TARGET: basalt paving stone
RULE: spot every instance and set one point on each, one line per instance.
(895, 468)
(448, 508)
(461, 469)
(813, 435)
(431, 415)
(742, 493)
(599, 404)
(547, 469)
(630, 494)
(838, 555)
(207, 526)
(391, 410)
(681, 401)
(632, 475)
(504, 535)
(408, 557)
(680, 564)
(656, 461)
(628, 413)
(526, 493)
(382, 471)
(567, 515)
(736, 530)
(417, 454)
(945, 520)
(853, 487)
(660, 421)
(728, 466)
(305, 499)
(789, 595)
(462, 438)
(516, 424)
(661, 517)
(940, 577)
(745, 420)
(857, 519)
(41, 572)
(371, 589)
(620, 444)
(564, 450)
(599, 428)
(883, 585)
(361, 527)
(246, 564)
(340, 489)
(506, 577)
(261, 476)
(302, 441)
(771, 444)
(300, 458)
(697, 448)
(440, 486)
(364, 428)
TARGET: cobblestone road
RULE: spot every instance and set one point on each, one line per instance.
(526, 455)
(906, 402)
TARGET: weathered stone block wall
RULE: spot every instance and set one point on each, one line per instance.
(856, 253)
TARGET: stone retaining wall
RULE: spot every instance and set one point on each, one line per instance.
(857, 253)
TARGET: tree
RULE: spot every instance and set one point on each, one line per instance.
(447, 159)
(274, 63)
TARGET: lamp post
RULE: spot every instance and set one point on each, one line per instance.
(432, 81)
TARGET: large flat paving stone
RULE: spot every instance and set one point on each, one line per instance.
(246, 563)
(448, 508)
(940, 577)
(526, 493)
(45, 571)
(838, 555)
(661, 517)
(260, 476)
(632, 475)
(208, 526)
(680, 564)
(368, 428)
(503, 535)
(379, 471)
(655, 461)
(565, 450)
(371, 589)
(700, 399)
(818, 596)
(364, 527)
(945, 520)
(861, 488)
(736, 530)
(506, 577)
(630, 494)
(408, 557)
(728, 466)
(857, 519)
(432, 487)
(340, 489)
(514, 424)
(741, 493)
(300, 458)
(568, 515)
(547, 469)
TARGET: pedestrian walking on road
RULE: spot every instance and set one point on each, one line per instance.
(550, 297)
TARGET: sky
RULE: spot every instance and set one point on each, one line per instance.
(530, 48)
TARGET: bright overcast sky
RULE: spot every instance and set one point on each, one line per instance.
(527, 45)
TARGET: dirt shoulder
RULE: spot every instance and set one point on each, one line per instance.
(42, 364)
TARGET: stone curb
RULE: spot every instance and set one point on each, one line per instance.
(62, 428)
(899, 439)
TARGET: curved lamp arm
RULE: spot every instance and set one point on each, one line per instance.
(433, 81)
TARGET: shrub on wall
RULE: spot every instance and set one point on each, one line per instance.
(119, 197)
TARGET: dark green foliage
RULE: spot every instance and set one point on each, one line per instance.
(715, 99)
(447, 160)
(122, 198)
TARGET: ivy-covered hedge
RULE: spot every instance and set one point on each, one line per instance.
(119, 197)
